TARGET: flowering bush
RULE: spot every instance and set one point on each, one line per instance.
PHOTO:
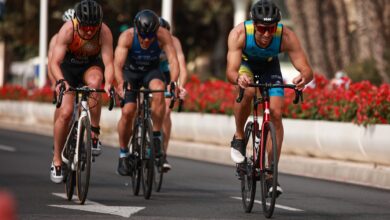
(361, 103)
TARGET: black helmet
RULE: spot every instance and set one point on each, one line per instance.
(146, 22)
(265, 12)
(88, 13)
(165, 24)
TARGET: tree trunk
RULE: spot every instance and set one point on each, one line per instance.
(315, 30)
(300, 25)
(363, 44)
(330, 37)
(377, 35)
(344, 42)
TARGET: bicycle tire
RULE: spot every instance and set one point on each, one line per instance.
(268, 201)
(70, 184)
(158, 174)
(248, 178)
(70, 177)
(135, 152)
(83, 168)
(148, 161)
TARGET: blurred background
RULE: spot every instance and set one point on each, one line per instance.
(352, 36)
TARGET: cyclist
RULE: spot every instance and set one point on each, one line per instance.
(137, 61)
(164, 67)
(253, 48)
(83, 51)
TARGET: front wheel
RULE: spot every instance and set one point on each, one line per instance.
(135, 157)
(247, 171)
(269, 169)
(147, 164)
(83, 170)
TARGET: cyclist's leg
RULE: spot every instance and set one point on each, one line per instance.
(167, 123)
(61, 129)
(125, 124)
(242, 111)
(276, 108)
(93, 78)
(155, 81)
(64, 115)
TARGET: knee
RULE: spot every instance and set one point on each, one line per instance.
(128, 112)
(94, 83)
(65, 114)
(277, 116)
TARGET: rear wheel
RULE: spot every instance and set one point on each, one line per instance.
(148, 160)
(83, 170)
(158, 174)
(269, 173)
(247, 171)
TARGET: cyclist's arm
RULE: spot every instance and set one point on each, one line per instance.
(182, 62)
(49, 56)
(166, 43)
(65, 37)
(124, 44)
(236, 42)
(292, 46)
(107, 54)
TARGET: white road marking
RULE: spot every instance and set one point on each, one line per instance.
(276, 205)
(7, 148)
(90, 206)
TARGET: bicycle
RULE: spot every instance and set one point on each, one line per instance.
(77, 153)
(142, 156)
(260, 165)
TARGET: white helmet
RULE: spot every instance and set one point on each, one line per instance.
(68, 15)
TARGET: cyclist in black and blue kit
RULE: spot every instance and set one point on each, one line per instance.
(253, 48)
(137, 58)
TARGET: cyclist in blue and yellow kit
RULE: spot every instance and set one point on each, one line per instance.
(253, 48)
(82, 53)
(137, 58)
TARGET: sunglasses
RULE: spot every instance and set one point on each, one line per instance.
(262, 29)
(88, 28)
(148, 35)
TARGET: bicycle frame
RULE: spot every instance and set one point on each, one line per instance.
(265, 101)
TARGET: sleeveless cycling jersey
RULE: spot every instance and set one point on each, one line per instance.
(141, 60)
(253, 52)
(82, 51)
(164, 64)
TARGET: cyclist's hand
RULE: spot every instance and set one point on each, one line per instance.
(58, 86)
(182, 92)
(300, 82)
(243, 81)
(107, 87)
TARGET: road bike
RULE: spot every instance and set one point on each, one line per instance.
(77, 153)
(261, 161)
(143, 155)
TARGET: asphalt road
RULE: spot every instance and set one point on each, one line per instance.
(192, 190)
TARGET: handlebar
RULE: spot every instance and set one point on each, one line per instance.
(125, 88)
(298, 93)
(85, 90)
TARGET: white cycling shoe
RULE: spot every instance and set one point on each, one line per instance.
(56, 175)
(236, 156)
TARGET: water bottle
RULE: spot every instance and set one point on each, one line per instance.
(257, 140)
